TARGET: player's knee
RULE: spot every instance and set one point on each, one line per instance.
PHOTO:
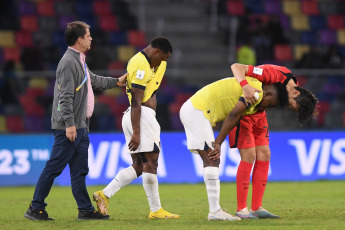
(138, 167)
(211, 163)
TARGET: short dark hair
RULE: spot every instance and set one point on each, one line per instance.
(282, 94)
(163, 44)
(75, 30)
(307, 105)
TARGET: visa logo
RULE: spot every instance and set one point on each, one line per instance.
(325, 150)
(116, 152)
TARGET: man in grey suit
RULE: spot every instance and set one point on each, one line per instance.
(72, 108)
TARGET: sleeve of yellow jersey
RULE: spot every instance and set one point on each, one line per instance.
(139, 76)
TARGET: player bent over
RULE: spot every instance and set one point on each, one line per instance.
(251, 135)
(220, 101)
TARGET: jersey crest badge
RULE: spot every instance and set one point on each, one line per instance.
(257, 70)
(140, 74)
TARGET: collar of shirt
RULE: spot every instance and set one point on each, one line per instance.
(81, 55)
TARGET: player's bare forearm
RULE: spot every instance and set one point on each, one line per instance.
(137, 95)
(239, 71)
(229, 123)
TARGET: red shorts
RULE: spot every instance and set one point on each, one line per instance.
(251, 131)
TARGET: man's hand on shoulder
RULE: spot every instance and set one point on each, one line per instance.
(123, 80)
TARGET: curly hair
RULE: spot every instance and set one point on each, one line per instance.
(307, 105)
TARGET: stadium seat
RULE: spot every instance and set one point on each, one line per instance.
(324, 107)
(272, 6)
(300, 50)
(1, 56)
(335, 22)
(64, 20)
(45, 8)
(235, 7)
(24, 39)
(3, 127)
(291, 7)
(341, 7)
(333, 119)
(293, 36)
(117, 38)
(326, 8)
(108, 23)
(300, 22)
(302, 80)
(137, 38)
(43, 38)
(341, 37)
(48, 23)
(101, 8)
(125, 52)
(253, 6)
(12, 54)
(15, 124)
(285, 21)
(26, 8)
(64, 7)
(318, 22)
(310, 7)
(282, 53)
(181, 98)
(84, 8)
(175, 122)
(59, 38)
(7, 39)
(34, 123)
(30, 106)
(308, 37)
(90, 20)
(327, 37)
(38, 83)
(116, 65)
(34, 92)
(28, 23)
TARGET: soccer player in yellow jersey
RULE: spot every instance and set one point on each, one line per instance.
(142, 131)
(221, 101)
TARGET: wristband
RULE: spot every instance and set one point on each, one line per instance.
(118, 83)
(243, 83)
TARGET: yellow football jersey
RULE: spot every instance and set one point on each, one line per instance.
(218, 99)
(142, 76)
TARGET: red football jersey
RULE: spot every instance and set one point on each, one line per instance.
(270, 74)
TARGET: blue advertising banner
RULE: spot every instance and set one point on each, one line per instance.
(295, 156)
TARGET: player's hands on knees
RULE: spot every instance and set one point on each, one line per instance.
(134, 142)
(215, 153)
(71, 133)
(249, 94)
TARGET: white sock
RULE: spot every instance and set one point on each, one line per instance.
(211, 178)
(150, 184)
(123, 178)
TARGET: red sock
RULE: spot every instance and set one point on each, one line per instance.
(242, 184)
(259, 180)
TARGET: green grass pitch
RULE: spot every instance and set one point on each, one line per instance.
(301, 205)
